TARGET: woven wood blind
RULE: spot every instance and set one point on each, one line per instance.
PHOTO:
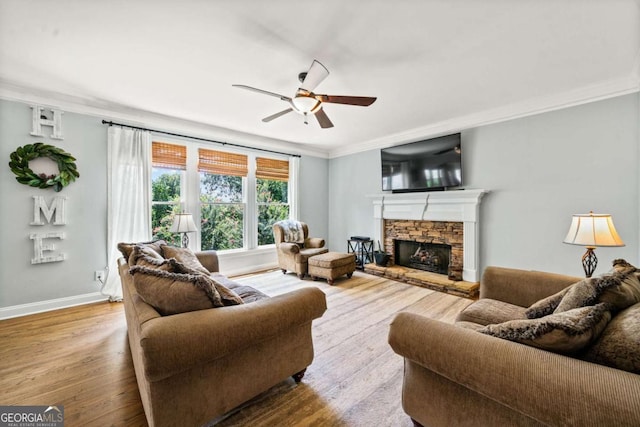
(277, 170)
(170, 156)
(221, 163)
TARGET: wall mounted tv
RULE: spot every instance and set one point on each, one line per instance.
(428, 165)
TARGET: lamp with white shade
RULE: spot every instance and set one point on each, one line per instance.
(592, 230)
(183, 223)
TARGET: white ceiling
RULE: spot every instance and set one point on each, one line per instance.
(436, 66)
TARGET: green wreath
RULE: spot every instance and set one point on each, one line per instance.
(19, 165)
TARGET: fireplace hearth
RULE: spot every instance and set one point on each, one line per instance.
(425, 256)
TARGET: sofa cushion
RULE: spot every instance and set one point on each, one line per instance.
(487, 311)
(127, 248)
(185, 256)
(173, 293)
(619, 288)
(565, 332)
(619, 344)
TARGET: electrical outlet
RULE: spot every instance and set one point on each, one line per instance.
(99, 276)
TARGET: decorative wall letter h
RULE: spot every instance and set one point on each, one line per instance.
(38, 122)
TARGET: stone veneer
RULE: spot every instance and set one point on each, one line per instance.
(441, 232)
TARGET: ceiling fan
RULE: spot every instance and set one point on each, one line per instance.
(305, 101)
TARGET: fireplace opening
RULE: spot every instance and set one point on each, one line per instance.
(433, 257)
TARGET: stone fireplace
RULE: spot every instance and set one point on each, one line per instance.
(435, 246)
(432, 237)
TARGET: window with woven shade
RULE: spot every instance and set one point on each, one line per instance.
(169, 165)
(222, 204)
(272, 169)
(222, 163)
(272, 196)
(169, 156)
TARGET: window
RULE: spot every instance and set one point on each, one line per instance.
(272, 196)
(222, 202)
(169, 161)
(234, 197)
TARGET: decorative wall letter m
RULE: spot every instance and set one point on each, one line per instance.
(38, 121)
(57, 208)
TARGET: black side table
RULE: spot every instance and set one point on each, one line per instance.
(363, 250)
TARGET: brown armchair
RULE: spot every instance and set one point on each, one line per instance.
(293, 256)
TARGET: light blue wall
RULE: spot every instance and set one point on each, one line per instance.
(314, 189)
(351, 180)
(86, 206)
(85, 137)
(539, 170)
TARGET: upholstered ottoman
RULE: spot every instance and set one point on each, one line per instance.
(332, 265)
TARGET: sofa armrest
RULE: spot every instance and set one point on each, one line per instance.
(548, 387)
(290, 248)
(314, 242)
(209, 259)
(173, 344)
(521, 287)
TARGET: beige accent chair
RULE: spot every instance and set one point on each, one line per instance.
(292, 257)
(454, 375)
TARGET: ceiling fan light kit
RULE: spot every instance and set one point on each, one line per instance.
(306, 102)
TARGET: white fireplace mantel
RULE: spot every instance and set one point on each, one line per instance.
(456, 206)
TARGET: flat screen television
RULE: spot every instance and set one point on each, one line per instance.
(428, 165)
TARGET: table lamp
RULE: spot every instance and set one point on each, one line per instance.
(592, 230)
(183, 223)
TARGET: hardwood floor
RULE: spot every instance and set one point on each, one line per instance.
(79, 358)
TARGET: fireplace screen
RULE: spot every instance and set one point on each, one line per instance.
(424, 256)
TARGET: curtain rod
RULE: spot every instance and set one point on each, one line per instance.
(104, 122)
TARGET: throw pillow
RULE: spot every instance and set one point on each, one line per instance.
(127, 248)
(173, 293)
(566, 332)
(185, 256)
(228, 296)
(619, 288)
(144, 255)
(619, 344)
(546, 305)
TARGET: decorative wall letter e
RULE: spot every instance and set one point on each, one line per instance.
(39, 247)
(38, 121)
(57, 207)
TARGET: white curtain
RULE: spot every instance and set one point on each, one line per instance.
(294, 185)
(128, 197)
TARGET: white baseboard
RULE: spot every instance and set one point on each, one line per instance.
(49, 305)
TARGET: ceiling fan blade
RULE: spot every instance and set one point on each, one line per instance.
(363, 101)
(265, 92)
(323, 119)
(276, 115)
(316, 74)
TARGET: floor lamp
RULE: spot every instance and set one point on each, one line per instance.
(592, 230)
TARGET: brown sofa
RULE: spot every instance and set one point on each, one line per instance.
(455, 375)
(195, 366)
(294, 257)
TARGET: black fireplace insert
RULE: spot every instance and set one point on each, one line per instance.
(433, 257)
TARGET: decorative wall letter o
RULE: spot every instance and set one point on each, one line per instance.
(67, 168)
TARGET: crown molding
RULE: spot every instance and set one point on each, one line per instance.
(530, 107)
(117, 112)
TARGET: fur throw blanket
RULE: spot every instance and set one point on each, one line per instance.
(293, 232)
